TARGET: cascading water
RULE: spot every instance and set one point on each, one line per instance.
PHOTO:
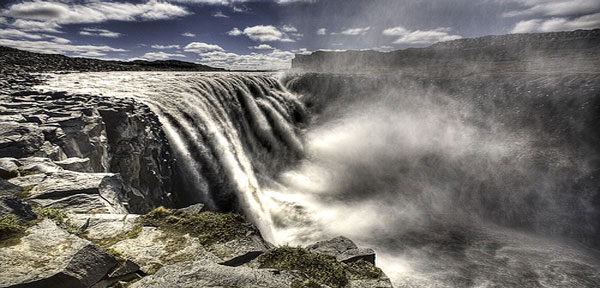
(445, 191)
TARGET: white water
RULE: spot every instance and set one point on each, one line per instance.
(364, 171)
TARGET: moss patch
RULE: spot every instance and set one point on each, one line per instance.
(322, 269)
(58, 216)
(208, 227)
(362, 270)
(11, 230)
(25, 193)
(17, 173)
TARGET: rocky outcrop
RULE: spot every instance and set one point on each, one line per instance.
(343, 249)
(549, 52)
(50, 257)
(55, 132)
(14, 60)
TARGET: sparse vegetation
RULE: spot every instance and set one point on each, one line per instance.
(17, 173)
(11, 230)
(361, 269)
(208, 227)
(58, 216)
(25, 193)
(318, 268)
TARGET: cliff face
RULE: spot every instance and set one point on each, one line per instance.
(507, 53)
(88, 134)
(15, 60)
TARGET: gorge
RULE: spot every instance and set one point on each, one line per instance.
(471, 170)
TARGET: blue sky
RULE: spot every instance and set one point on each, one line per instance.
(265, 34)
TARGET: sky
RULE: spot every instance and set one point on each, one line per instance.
(265, 34)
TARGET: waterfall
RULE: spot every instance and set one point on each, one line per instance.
(451, 191)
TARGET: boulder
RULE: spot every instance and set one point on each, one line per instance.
(343, 249)
(207, 274)
(50, 257)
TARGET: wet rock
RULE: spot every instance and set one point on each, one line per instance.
(207, 274)
(50, 257)
(343, 249)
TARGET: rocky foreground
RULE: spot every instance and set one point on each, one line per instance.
(83, 179)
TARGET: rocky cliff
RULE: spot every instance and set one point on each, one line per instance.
(506, 53)
(14, 60)
(77, 174)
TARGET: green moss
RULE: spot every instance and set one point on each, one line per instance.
(305, 283)
(322, 269)
(208, 227)
(17, 173)
(362, 270)
(11, 230)
(58, 216)
(25, 193)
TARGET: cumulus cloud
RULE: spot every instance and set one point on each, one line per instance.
(156, 46)
(322, 31)
(407, 36)
(21, 35)
(356, 31)
(199, 47)
(188, 34)
(554, 7)
(67, 12)
(557, 24)
(55, 47)
(160, 55)
(219, 14)
(262, 33)
(99, 33)
(262, 47)
(275, 60)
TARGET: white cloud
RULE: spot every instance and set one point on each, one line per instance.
(554, 7)
(322, 31)
(156, 46)
(558, 24)
(3, 20)
(36, 26)
(220, 14)
(54, 47)
(262, 33)
(262, 47)
(188, 34)
(92, 54)
(356, 31)
(14, 33)
(199, 47)
(160, 55)
(420, 36)
(235, 32)
(240, 9)
(289, 28)
(99, 32)
(276, 60)
(97, 11)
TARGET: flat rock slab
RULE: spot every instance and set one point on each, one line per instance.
(152, 249)
(75, 191)
(50, 257)
(102, 226)
(206, 274)
(343, 249)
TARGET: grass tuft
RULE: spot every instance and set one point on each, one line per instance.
(208, 227)
(318, 268)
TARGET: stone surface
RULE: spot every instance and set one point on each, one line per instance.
(343, 249)
(207, 274)
(98, 192)
(103, 226)
(50, 257)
